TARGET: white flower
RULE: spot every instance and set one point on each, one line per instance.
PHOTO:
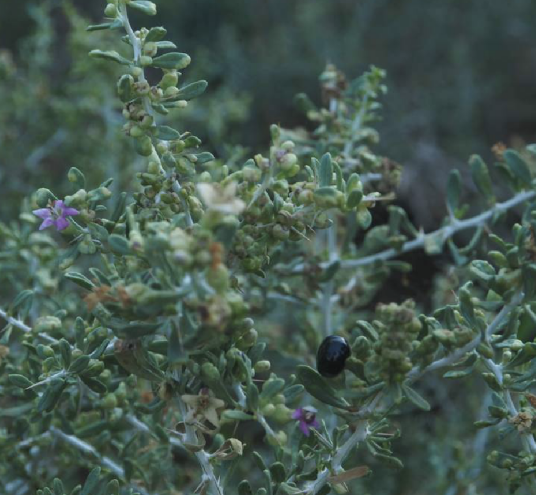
(221, 199)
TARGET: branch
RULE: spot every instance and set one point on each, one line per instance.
(492, 328)
(88, 449)
(25, 328)
(136, 47)
(444, 233)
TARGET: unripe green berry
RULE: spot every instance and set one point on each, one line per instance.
(109, 402)
(145, 60)
(262, 366)
(150, 49)
(110, 10)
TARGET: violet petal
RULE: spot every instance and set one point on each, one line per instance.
(62, 223)
(47, 222)
(43, 213)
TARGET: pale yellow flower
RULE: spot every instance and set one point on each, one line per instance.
(222, 199)
(203, 407)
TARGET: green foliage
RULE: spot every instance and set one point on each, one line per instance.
(142, 326)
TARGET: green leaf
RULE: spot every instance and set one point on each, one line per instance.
(20, 381)
(190, 91)
(79, 364)
(119, 244)
(482, 270)
(98, 27)
(167, 133)
(454, 189)
(237, 415)
(174, 60)
(125, 88)
(148, 8)
(319, 388)
(110, 55)
(80, 280)
(76, 177)
(390, 461)
(94, 384)
(91, 482)
(518, 166)
(204, 157)
(481, 178)
(166, 45)
(278, 472)
(326, 171)
(354, 198)
(156, 34)
(414, 397)
(112, 488)
(51, 395)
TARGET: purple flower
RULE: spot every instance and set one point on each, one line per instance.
(55, 215)
(307, 419)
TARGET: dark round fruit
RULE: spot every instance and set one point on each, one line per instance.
(332, 355)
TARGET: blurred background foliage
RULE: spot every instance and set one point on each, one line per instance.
(461, 77)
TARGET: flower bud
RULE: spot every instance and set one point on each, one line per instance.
(268, 410)
(150, 49)
(109, 401)
(169, 79)
(145, 60)
(262, 366)
(287, 161)
(46, 324)
(110, 10)
(43, 196)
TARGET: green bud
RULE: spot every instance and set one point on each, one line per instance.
(144, 146)
(110, 10)
(150, 49)
(280, 232)
(282, 414)
(268, 410)
(43, 196)
(209, 372)
(145, 60)
(45, 324)
(169, 79)
(109, 401)
(262, 366)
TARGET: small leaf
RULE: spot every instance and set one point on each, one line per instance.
(167, 133)
(76, 177)
(319, 388)
(110, 55)
(482, 270)
(325, 171)
(390, 461)
(79, 364)
(156, 34)
(237, 415)
(354, 198)
(125, 88)
(148, 8)
(481, 178)
(351, 474)
(454, 189)
(91, 482)
(20, 381)
(190, 91)
(414, 397)
(518, 166)
(119, 244)
(80, 280)
(174, 60)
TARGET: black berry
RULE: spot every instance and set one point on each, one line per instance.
(332, 355)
